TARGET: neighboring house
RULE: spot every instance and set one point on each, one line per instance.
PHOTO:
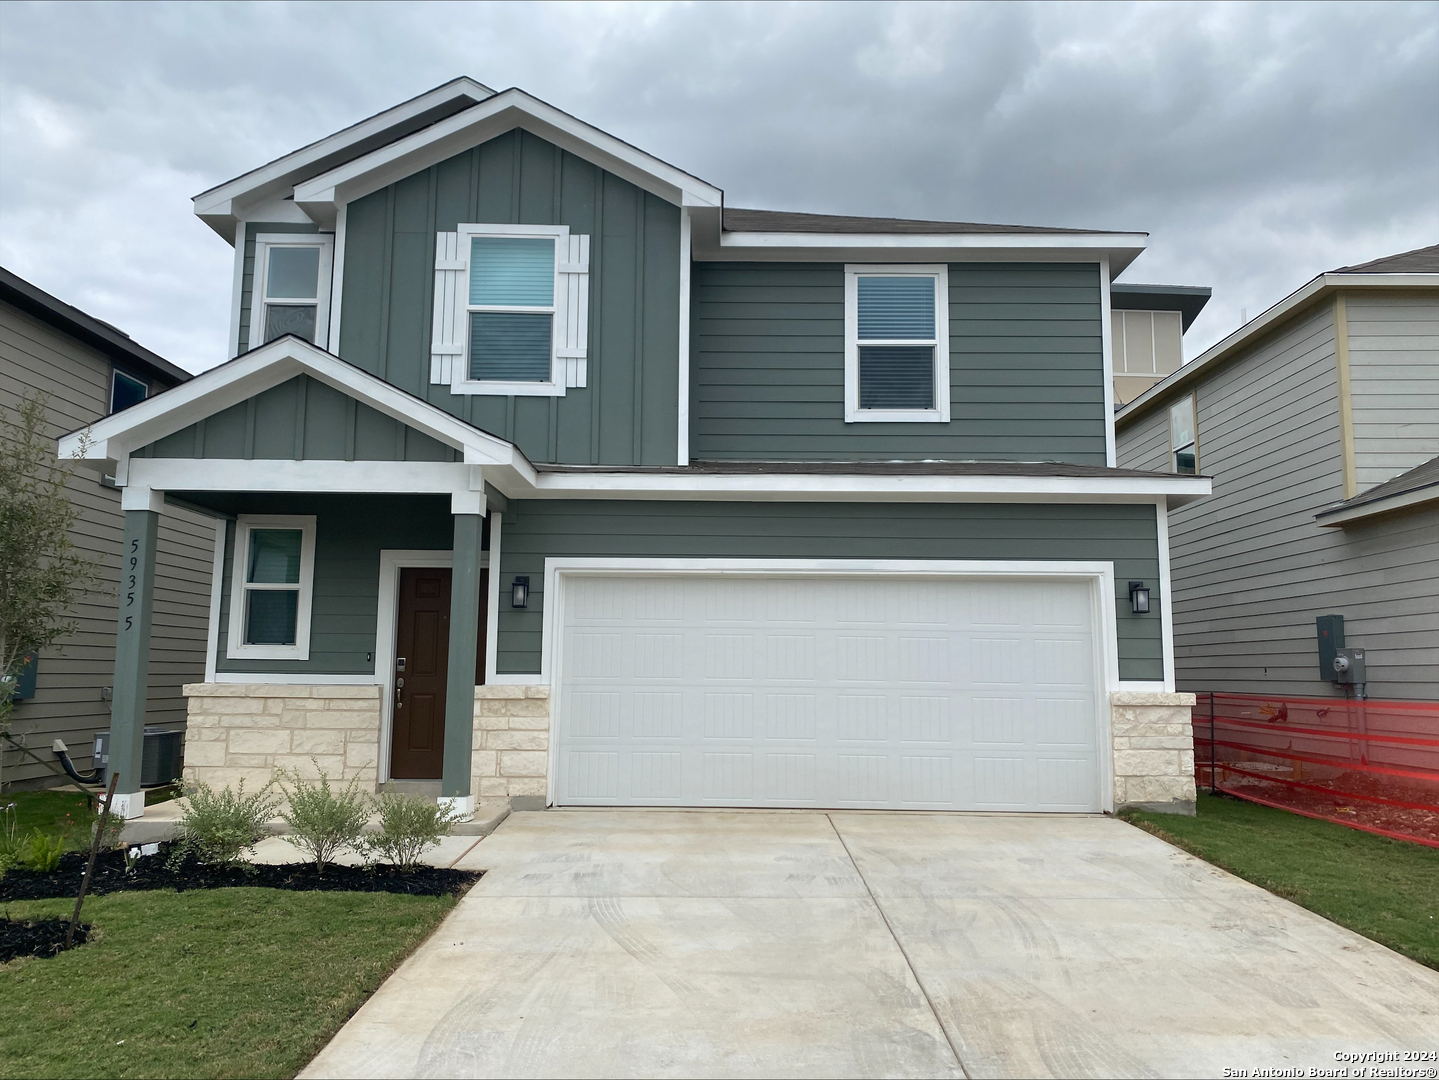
(90, 370)
(1319, 424)
(547, 477)
(1147, 328)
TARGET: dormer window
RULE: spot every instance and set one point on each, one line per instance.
(896, 328)
(291, 293)
(511, 310)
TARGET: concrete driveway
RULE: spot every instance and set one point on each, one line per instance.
(673, 943)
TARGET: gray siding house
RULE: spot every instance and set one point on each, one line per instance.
(544, 476)
(89, 370)
(1318, 422)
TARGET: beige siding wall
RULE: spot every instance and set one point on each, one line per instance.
(1393, 383)
(69, 702)
(1250, 566)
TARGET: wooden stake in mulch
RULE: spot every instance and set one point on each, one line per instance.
(90, 866)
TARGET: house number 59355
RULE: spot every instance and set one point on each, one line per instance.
(130, 588)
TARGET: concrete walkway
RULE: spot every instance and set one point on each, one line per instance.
(673, 943)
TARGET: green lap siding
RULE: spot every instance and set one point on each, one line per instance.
(628, 412)
(1026, 367)
(350, 532)
(1124, 534)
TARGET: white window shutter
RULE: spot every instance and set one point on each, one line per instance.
(572, 310)
(447, 346)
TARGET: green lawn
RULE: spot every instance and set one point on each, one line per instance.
(224, 982)
(64, 812)
(1385, 889)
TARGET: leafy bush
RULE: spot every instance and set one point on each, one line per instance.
(409, 826)
(42, 852)
(110, 826)
(220, 826)
(322, 823)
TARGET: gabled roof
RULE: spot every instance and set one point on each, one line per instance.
(111, 440)
(220, 206)
(323, 193)
(1378, 274)
(110, 340)
(1417, 487)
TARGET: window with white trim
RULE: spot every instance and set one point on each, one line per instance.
(511, 310)
(1183, 437)
(896, 344)
(272, 587)
(291, 290)
(126, 390)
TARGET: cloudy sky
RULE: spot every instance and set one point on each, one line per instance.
(1257, 144)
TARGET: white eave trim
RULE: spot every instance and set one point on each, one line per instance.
(321, 195)
(114, 437)
(869, 488)
(1331, 519)
(218, 203)
(1074, 241)
(1314, 290)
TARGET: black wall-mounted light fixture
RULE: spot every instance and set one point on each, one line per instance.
(1139, 597)
(520, 592)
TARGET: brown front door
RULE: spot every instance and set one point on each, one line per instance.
(422, 646)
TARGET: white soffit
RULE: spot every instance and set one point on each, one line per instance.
(321, 196)
(111, 439)
(221, 206)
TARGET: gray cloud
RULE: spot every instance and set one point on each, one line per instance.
(1258, 144)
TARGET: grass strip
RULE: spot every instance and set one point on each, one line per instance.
(1387, 890)
(218, 983)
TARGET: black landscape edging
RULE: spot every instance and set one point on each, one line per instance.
(36, 937)
(155, 872)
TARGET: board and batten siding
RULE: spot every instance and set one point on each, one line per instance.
(247, 273)
(628, 413)
(1250, 568)
(69, 702)
(535, 529)
(302, 419)
(350, 532)
(1393, 382)
(1026, 367)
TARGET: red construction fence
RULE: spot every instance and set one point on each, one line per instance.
(1371, 765)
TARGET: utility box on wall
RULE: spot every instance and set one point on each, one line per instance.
(1330, 630)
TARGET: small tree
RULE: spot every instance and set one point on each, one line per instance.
(42, 575)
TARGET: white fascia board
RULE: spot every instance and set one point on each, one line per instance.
(1120, 250)
(764, 487)
(114, 437)
(1331, 519)
(321, 195)
(1313, 291)
(270, 474)
(218, 204)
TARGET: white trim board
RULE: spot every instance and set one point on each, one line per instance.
(1166, 598)
(291, 678)
(1099, 574)
(217, 576)
(682, 456)
(1106, 331)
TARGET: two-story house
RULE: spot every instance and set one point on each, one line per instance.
(1319, 423)
(546, 476)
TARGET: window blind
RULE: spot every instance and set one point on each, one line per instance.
(512, 271)
(272, 617)
(510, 345)
(896, 308)
(896, 376)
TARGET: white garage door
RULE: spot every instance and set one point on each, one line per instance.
(938, 693)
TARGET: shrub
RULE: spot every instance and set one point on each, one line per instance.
(41, 853)
(322, 823)
(110, 826)
(220, 826)
(409, 825)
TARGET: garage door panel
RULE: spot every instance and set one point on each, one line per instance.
(717, 691)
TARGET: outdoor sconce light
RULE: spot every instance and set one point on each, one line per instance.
(520, 592)
(1139, 597)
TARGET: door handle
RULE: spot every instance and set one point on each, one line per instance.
(399, 685)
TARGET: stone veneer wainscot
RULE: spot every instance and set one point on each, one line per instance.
(1153, 750)
(511, 751)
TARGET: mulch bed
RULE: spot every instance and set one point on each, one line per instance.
(36, 937)
(155, 872)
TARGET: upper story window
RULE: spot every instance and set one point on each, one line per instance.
(896, 328)
(291, 292)
(272, 587)
(126, 390)
(511, 310)
(1146, 342)
(1183, 437)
